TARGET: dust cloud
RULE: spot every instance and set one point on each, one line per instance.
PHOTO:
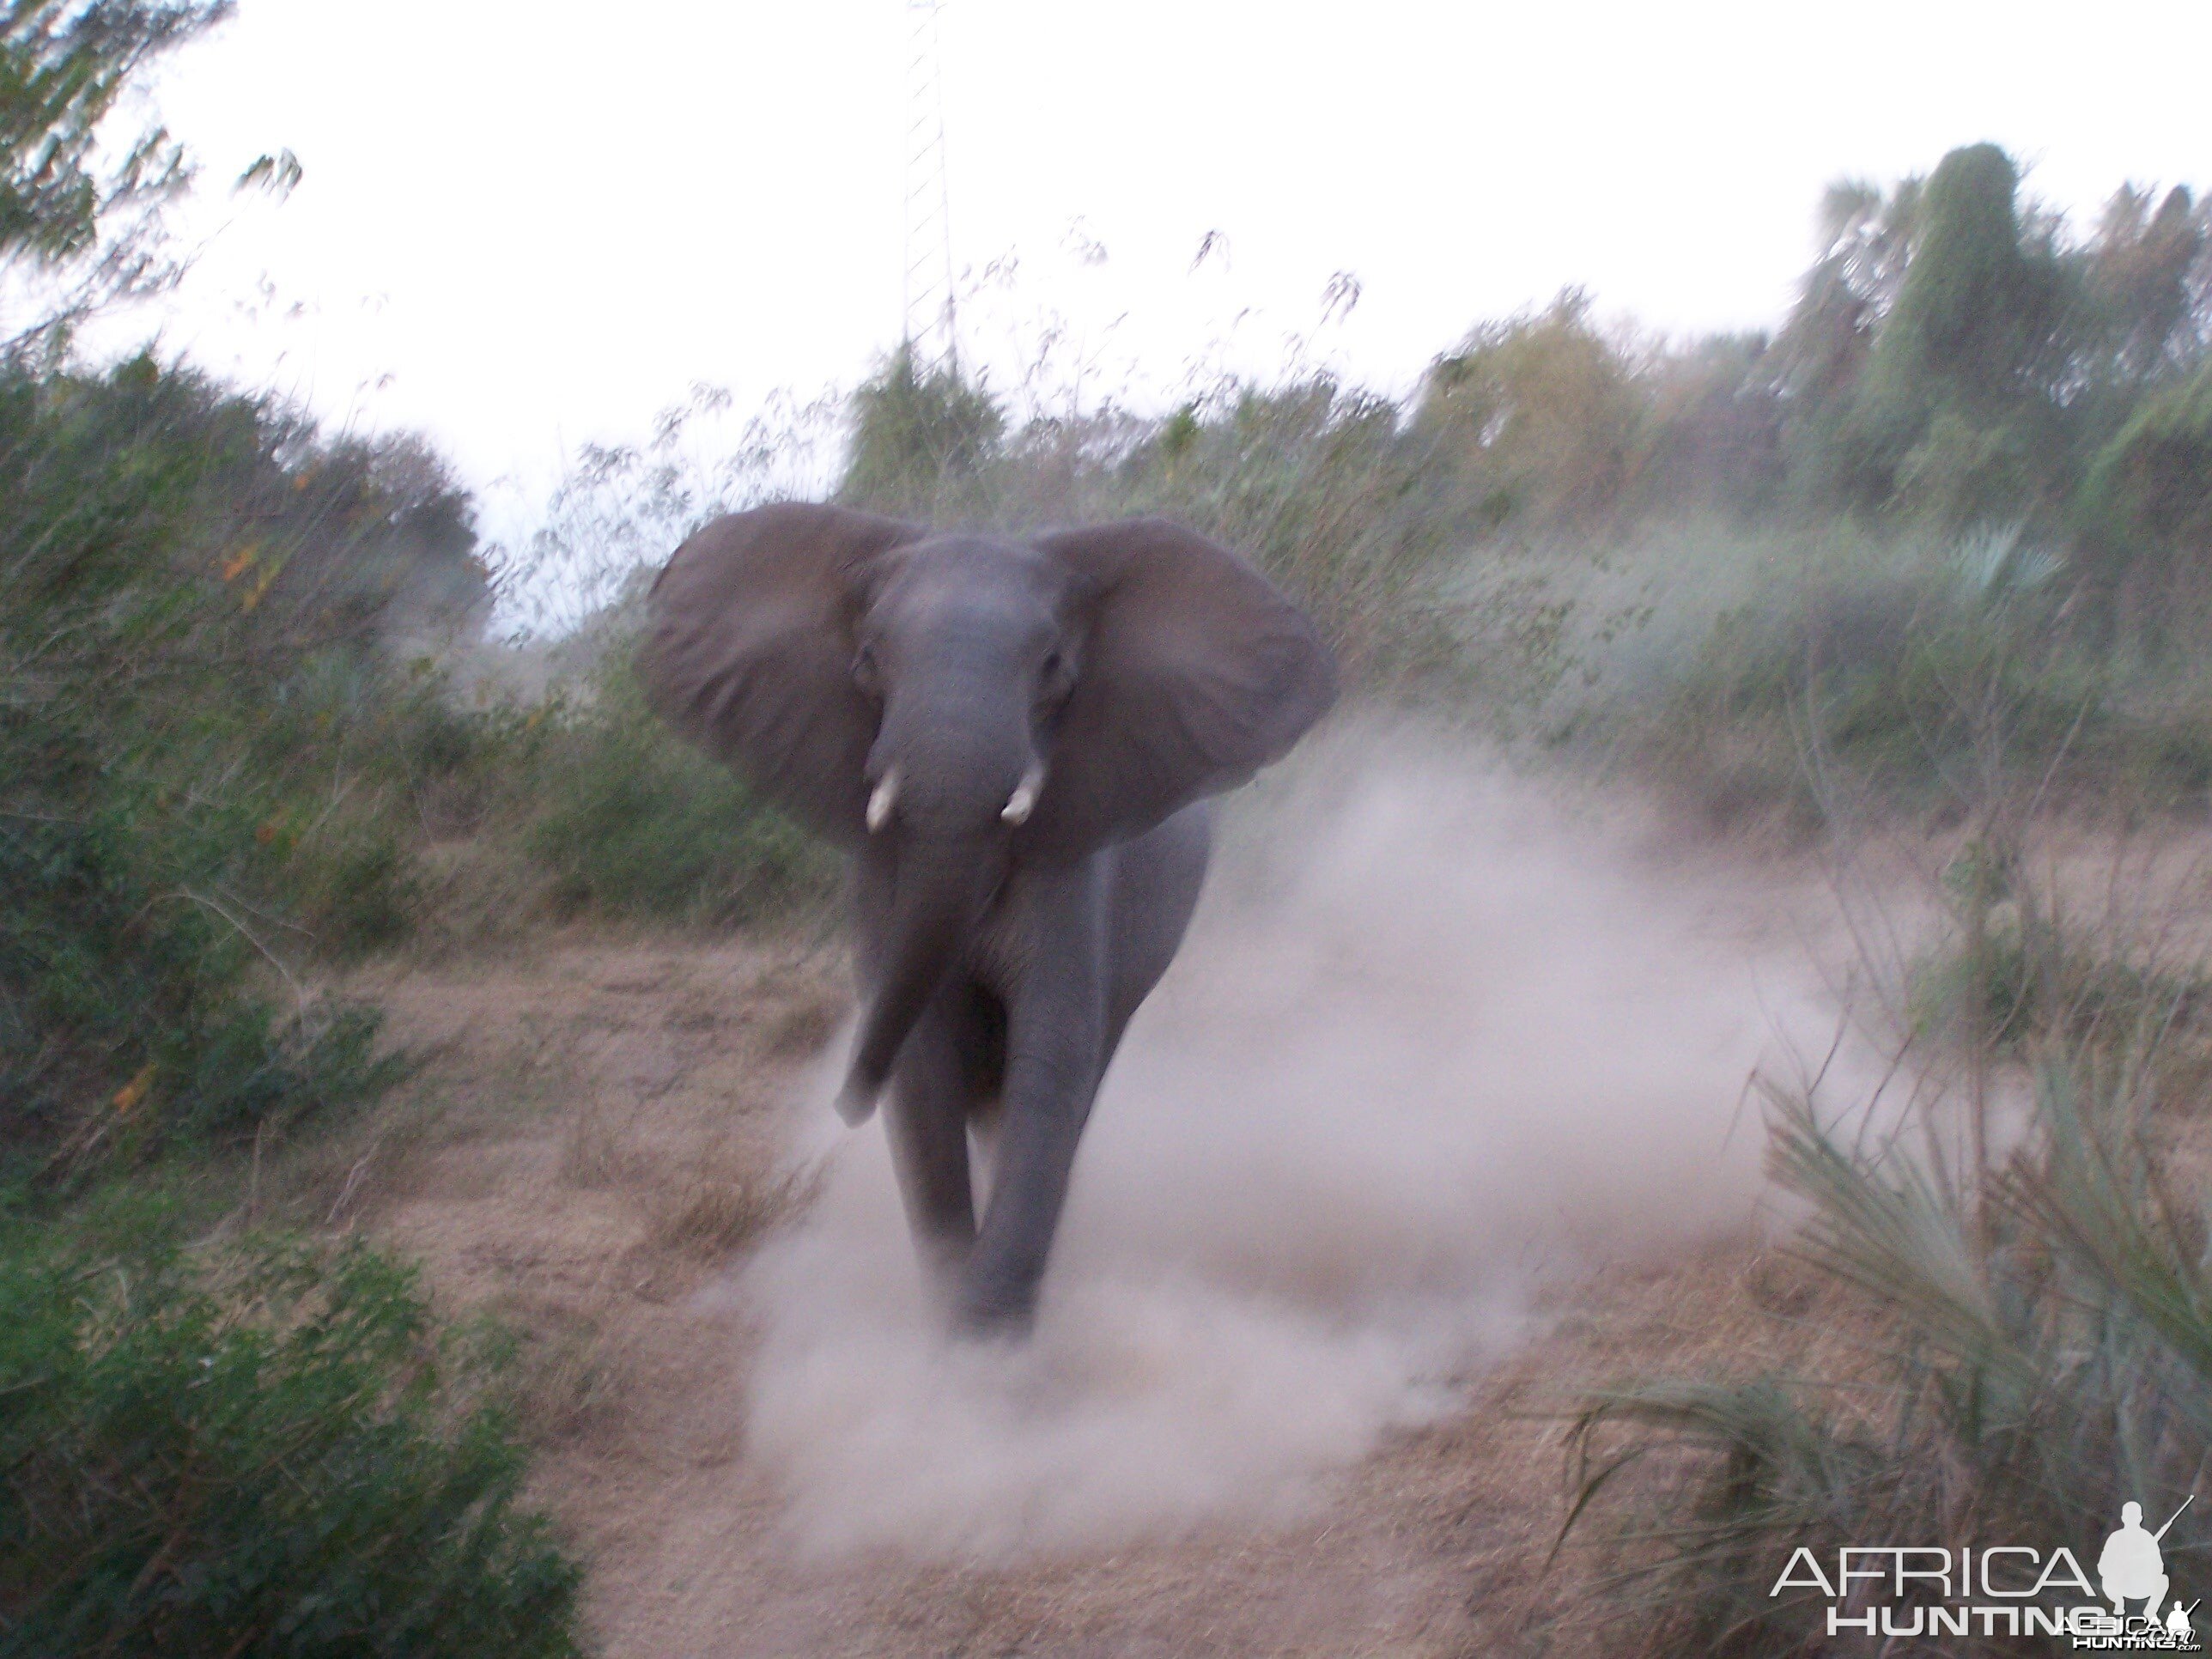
(1438, 1042)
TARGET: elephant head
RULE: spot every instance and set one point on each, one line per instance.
(957, 702)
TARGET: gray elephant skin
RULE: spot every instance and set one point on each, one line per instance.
(1015, 736)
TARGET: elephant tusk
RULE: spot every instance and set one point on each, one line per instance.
(881, 802)
(1022, 801)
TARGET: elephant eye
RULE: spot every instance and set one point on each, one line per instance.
(865, 674)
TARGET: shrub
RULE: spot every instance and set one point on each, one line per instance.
(632, 822)
(124, 1026)
(2026, 1283)
(1542, 413)
(2026, 975)
(2042, 1352)
(1803, 670)
(917, 434)
(194, 783)
(266, 1450)
(2146, 509)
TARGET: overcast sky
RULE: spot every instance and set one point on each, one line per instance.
(524, 226)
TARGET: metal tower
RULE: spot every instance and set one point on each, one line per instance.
(926, 293)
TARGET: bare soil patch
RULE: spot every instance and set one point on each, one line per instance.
(1444, 1032)
(582, 1098)
(1451, 1024)
(593, 1146)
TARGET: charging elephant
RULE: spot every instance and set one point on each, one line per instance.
(1015, 737)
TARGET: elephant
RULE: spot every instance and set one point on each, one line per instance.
(1016, 738)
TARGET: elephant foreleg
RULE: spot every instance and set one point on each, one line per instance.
(926, 1116)
(1055, 1058)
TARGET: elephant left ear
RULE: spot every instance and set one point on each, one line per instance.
(1193, 672)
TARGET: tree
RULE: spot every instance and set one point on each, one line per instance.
(2148, 496)
(917, 432)
(1865, 243)
(1975, 310)
(1924, 357)
(64, 63)
(2142, 308)
(1542, 409)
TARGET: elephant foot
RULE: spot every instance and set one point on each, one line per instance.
(943, 1262)
(982, 1317)
(856, 1101)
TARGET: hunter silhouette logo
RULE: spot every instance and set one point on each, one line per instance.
(2131, 1567)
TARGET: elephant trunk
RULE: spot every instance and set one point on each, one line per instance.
(940, 890)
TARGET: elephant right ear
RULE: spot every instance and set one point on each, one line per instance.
(749, 650)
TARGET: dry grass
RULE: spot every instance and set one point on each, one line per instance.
(721, 1205)
(564, 1381)
(704, 1201)
(598, 1153)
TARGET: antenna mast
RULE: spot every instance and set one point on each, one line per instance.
(927, 296)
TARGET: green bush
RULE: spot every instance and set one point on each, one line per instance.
(202, 779)
(1541, 414)
(2146, 509)
(917, 434)
(1802, 672)
(210, 770)
(2026, 977)
(124, 1027)
(267, 1449)
(631, 822)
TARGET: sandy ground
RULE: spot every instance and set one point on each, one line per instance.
(597, 1144)
(1438, 1123)
(525, 1196)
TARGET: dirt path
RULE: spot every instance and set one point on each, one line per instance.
(595, 1147)
(533, 1199)
(1438, 1121)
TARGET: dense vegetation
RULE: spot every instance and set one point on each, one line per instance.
(206, 725)
(1976, 447)
(264, 1448)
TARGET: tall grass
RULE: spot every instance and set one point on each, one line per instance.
(2040, 1352)
(2022, 1259)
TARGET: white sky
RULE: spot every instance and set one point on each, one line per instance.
(524, 226)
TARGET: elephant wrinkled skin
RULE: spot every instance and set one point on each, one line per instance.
(1015, 737)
